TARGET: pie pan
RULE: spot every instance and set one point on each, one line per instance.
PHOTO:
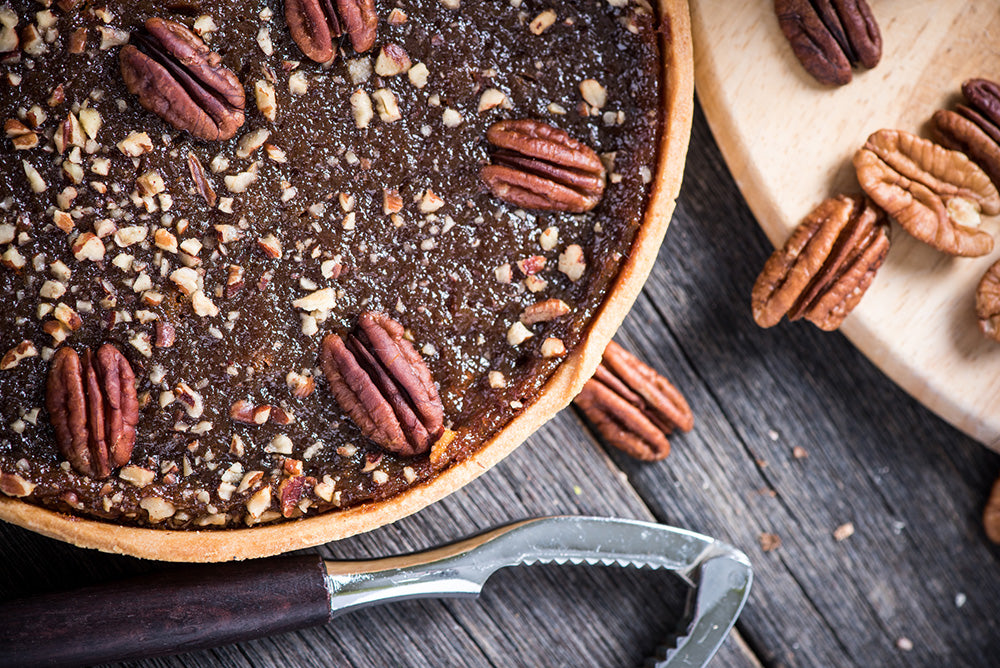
(260, 541)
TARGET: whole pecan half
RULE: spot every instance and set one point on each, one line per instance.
(381, 382)
(177, 77)
(984, 96)
(959, 132)
(825, 267)
(988, 302)
(632, 406)
(93, 408)
(315, 23)
(936, 194)
(974, 130)
(537, 166)
(830, 36)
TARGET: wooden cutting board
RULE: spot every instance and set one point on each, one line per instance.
(789, 141)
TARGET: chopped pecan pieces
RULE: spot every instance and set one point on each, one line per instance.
(537, 166)
(315, 23)
(632, 406)
(201, 182)
(937, 195)
(544, 311)
(93, 408)
(19, 352)
(290, 492)
(825, 267)
(830, 36)
(988, 302)
(177, 77)
(380, 381)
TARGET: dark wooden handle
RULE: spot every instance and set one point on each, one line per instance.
(176, 611)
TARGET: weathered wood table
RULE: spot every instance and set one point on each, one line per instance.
(916, 584)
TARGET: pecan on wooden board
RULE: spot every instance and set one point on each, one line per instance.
(984, 96)
(935, 194)
(988, 302)
(829, 37)
(633, 407)
(93, 408)
(537, 166)
(314, 24)
(382, 383)
(959, 132)
(974, 129)
(825, 266)
(176, 76)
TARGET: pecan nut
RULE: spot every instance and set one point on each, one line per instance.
(633, 407)
(829, 37)
(974, 130)
(381, 382)
(936, 194)
(176, 76)
(315, 23)
(959, 132)
(201, 183)
(93, 408)
(537, 166)
(991, 514)
(825, 266)
(988, 302)
(984, 96)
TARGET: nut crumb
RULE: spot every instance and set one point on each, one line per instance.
(844, 531)
(769, 541)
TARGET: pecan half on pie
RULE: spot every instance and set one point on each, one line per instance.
(268, 261)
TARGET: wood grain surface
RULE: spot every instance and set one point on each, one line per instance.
(789, 143)
(917, 567)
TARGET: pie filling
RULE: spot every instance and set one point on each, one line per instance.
(352, 187)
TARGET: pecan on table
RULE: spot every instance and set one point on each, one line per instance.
(93, 408)
(936, 194)
(315, 23)
(829, 37)
(974, 130)
(633, 407)
(176, 76)
(825, 267)
(381, 382)
(537, 166)
(991, 514)
(988, 302)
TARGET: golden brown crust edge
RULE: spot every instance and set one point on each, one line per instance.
(263, 541)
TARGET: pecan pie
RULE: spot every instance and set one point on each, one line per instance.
(284, 271)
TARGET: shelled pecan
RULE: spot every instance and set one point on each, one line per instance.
(988, 302)
(537, 166)
(176, 76)
(315, 23)
(991, 514)
(936, 194)
(93, 408)
(974, 130)
(382, 383)
(829, 37)
(632, 406)
(825, 266)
